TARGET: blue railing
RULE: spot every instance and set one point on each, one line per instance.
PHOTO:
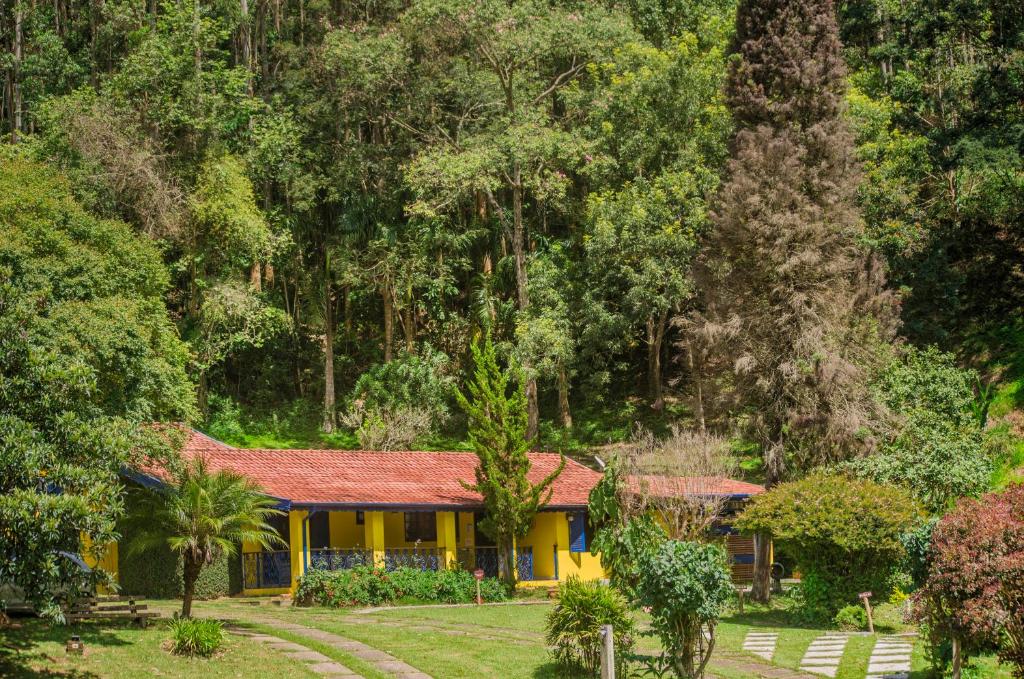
(266, 569)
(424, 558)
(486, 559)
(336, 558)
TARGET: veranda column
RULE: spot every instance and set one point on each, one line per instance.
(373, 528)
(446, 543)
(296, 527)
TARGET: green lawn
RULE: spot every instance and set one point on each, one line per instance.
(448, 643)
(123, 651)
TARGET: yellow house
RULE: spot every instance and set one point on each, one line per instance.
(345, 508)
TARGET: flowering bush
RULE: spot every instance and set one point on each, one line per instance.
(370, 586)
(975, 586)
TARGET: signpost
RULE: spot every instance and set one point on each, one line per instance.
(607, 652)
(865, 596)
(479, 575)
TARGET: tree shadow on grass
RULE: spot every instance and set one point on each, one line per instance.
(552, 670)
(19, 645)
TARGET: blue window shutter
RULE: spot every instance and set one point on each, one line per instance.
(578, 532)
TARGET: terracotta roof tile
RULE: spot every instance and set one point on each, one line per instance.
(361, 478)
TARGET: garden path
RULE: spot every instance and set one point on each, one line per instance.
(317, 662)
(824, 653)
(761, 644)
(384, 663)
(890, 659)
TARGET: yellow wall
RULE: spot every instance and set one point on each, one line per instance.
(548, 534)
(386, 530)
(107, 561)
(345, 533)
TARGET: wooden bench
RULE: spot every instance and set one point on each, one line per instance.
(110, 608)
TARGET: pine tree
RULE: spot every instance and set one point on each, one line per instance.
(795, 308)
(496, 409)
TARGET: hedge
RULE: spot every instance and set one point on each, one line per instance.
(156, 573)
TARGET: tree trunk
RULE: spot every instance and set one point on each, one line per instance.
(761, 588)
(655, 337)
(957, 668)
(507, 563)
(245, 38)
(255, 278)
(190, 573)
(389, 329)
(522, 295)
(16, 98)
(329, 400)
(409, 326)
(563, 398)
(698, 386)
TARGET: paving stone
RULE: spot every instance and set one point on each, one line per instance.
(308, 656)
(876, 668)
(282, 645)
(826, 671)
(333, 669)
(395, 667)
(372, 655)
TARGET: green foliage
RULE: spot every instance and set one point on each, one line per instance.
(419, 380)
(621, 544)
(938, 451)
(201, 515)
(194, 636)
(87, 354)
(686, 585)
(573, 626)
(496, 409)
(224, 210)
(845, 535)
(371, 586)
(851, 618)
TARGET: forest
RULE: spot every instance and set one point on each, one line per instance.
(332, 199)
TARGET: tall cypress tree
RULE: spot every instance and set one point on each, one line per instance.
(795, 308)
(496, 416)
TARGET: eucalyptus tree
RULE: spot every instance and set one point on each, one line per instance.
(496, 138)
(658, 120)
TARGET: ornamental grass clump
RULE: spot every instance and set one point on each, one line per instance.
(195, 636)
(574, 625)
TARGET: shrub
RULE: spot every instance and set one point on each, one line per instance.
(851, 618)
(975, 586)
(371, 586)
(195, 636)
(395, 403)
(843, 533)
(574, 625)
(686, 585)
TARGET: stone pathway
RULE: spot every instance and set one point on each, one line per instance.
(890, 659)
(824, 653)
(317, 662)
(379, 660)
(761, 644)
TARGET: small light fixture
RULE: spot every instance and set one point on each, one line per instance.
(75, 645)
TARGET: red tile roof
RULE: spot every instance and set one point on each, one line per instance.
(361, 478)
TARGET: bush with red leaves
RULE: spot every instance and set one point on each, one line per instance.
(975, 585)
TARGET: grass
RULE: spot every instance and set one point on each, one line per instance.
(507, 640)
(447, 643)
(123, 651)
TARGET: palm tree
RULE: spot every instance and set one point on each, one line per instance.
(202, 515)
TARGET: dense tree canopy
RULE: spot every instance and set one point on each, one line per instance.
(87, 354)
